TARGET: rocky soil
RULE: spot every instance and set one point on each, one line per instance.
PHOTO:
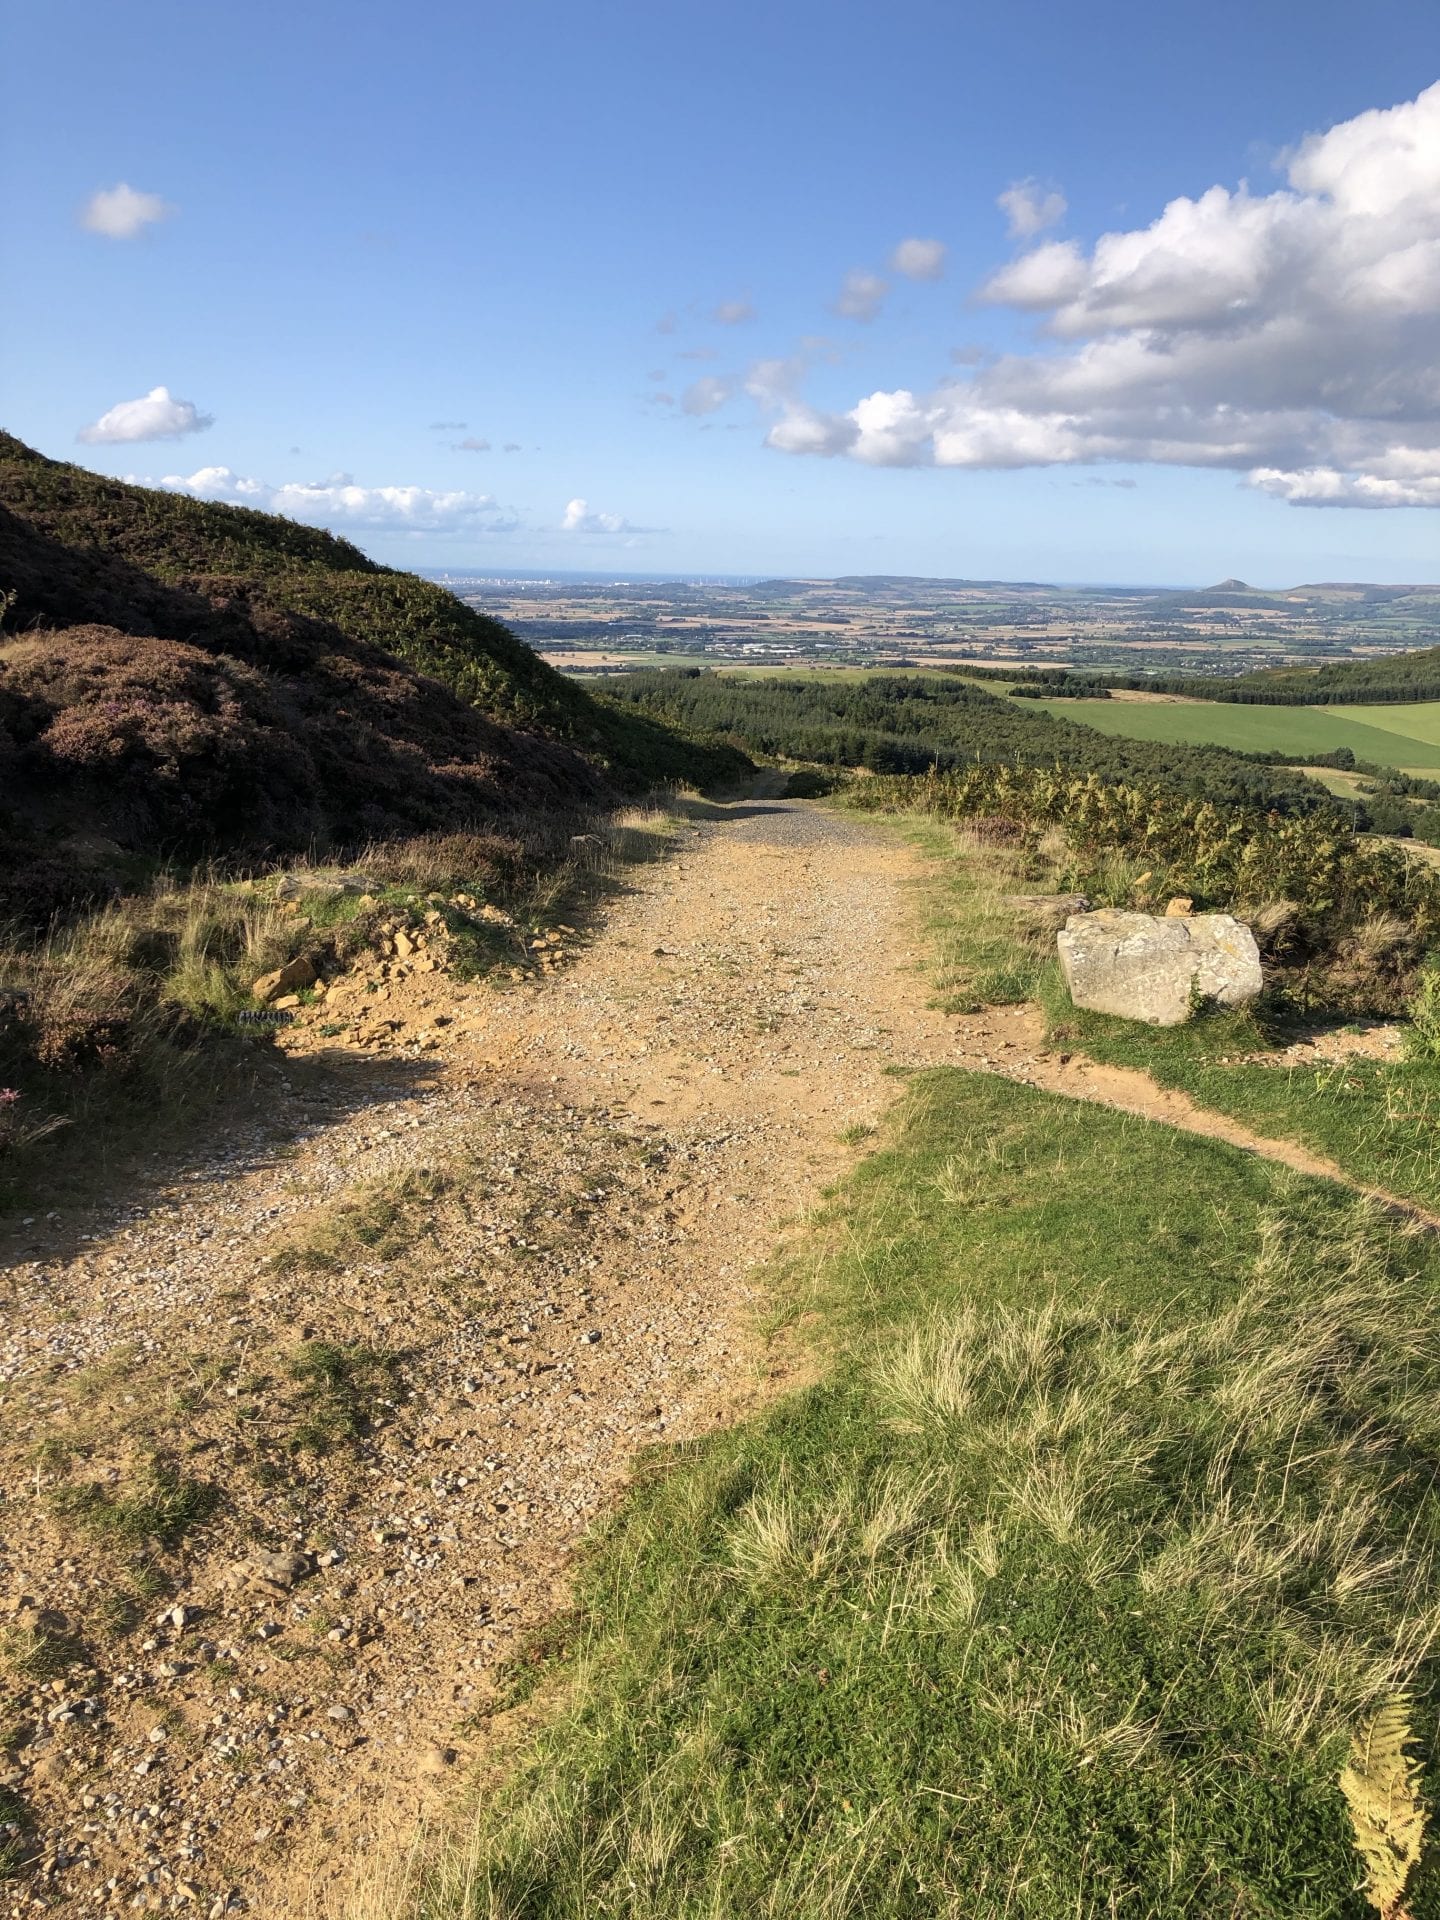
(298, 1443)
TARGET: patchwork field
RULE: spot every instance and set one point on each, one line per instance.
(1405, 736)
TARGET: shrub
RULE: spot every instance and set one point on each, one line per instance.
(1357, 903)
(1423, 1037)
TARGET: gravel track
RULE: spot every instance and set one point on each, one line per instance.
(623, 1143)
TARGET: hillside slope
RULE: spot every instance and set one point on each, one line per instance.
(186, 678)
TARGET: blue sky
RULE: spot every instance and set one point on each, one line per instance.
(611, 241)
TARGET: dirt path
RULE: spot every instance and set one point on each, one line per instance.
(1011, 1041)
(408, 1443)
(409, 1422)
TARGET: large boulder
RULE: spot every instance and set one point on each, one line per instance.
(1145, 968)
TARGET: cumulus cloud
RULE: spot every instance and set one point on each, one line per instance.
(705, 394)
(733, 313)
(579, 518)
(1291, 336)
(919, 259)
(512, 446)
(1030, 208)
(339, 502)
(470, 444)
(861, 295)
(120, 212)
(158, 415)
(1328, 487)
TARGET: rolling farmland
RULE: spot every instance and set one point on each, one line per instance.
(1405, 736)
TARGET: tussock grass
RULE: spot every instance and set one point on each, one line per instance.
(380, 1220)
(38, 1650)
(339, 1382)
(157, 1510)
(121, 1023)
(1066, 1590)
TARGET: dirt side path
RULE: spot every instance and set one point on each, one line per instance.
(598, 1162)
(1011, 1041)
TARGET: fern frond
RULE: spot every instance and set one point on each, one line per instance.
(1381, 1785)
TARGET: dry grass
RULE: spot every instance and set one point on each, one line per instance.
(123, 1021)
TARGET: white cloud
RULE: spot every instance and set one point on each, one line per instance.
(705, 394)
(470, 444)
(773, 382)
(120, 212)
(158, 416)
(1292, 336)
(919, 259)
(734, 313)
(861, 295)
(1030, 208)
(339, 503)
(1326, 487)
(579, 519)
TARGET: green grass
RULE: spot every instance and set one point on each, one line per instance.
(340, 1382)
(1413, 720)
(1380, 1121)
(158, 1510)
(1406, 736)
(1062, 1590)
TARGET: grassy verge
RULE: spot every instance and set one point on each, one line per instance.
(1377, 1119)
(118, 1030)
(1064, 1592)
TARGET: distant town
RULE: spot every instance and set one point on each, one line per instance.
(597, 627)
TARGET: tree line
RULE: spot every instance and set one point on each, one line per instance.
(895, 724)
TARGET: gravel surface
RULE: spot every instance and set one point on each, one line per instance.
(233, 1716)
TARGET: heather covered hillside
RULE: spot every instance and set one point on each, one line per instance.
(186, 678)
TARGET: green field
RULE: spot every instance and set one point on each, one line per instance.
(1400, 736)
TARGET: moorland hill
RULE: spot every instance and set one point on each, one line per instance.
(180, 678)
